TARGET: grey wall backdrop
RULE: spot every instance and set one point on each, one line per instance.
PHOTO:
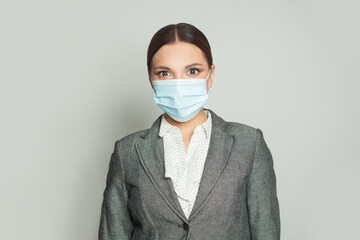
(74, 80)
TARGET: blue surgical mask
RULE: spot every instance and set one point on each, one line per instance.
(181, 99)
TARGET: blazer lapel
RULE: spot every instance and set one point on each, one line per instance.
(151, 155)
(218, 153)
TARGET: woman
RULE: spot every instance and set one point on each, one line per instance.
(192, 175)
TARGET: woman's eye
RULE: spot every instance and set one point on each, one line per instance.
(164, 73)
(193, 71)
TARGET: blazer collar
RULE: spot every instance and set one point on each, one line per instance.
(151, 155)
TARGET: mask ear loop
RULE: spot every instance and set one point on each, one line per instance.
(208, 78)
(208, 74)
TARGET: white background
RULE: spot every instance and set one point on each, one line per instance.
(74, 80)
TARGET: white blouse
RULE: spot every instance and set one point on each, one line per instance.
(185, 169)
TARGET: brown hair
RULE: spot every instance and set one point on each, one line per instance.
(178, 32)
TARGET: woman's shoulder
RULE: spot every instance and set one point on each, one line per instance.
(239, 129)
(246, 134)
(242, 131)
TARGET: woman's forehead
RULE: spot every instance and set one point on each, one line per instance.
(179, 53)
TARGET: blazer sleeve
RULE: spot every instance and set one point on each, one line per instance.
(262, 201)
(115, 220)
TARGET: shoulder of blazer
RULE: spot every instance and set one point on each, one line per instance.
(241, 128)
(244, 135)
(125, 145)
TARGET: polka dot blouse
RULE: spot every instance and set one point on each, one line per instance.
(185, 168)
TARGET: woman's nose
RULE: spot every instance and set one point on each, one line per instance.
(178, 75)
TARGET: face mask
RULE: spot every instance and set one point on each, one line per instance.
(181, 99)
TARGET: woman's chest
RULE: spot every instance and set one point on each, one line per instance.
(153, 195)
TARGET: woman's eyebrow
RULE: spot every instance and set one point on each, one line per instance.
(193, 64)
(188, 66)
(162, 67)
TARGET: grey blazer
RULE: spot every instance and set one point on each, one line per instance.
(237, 196)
